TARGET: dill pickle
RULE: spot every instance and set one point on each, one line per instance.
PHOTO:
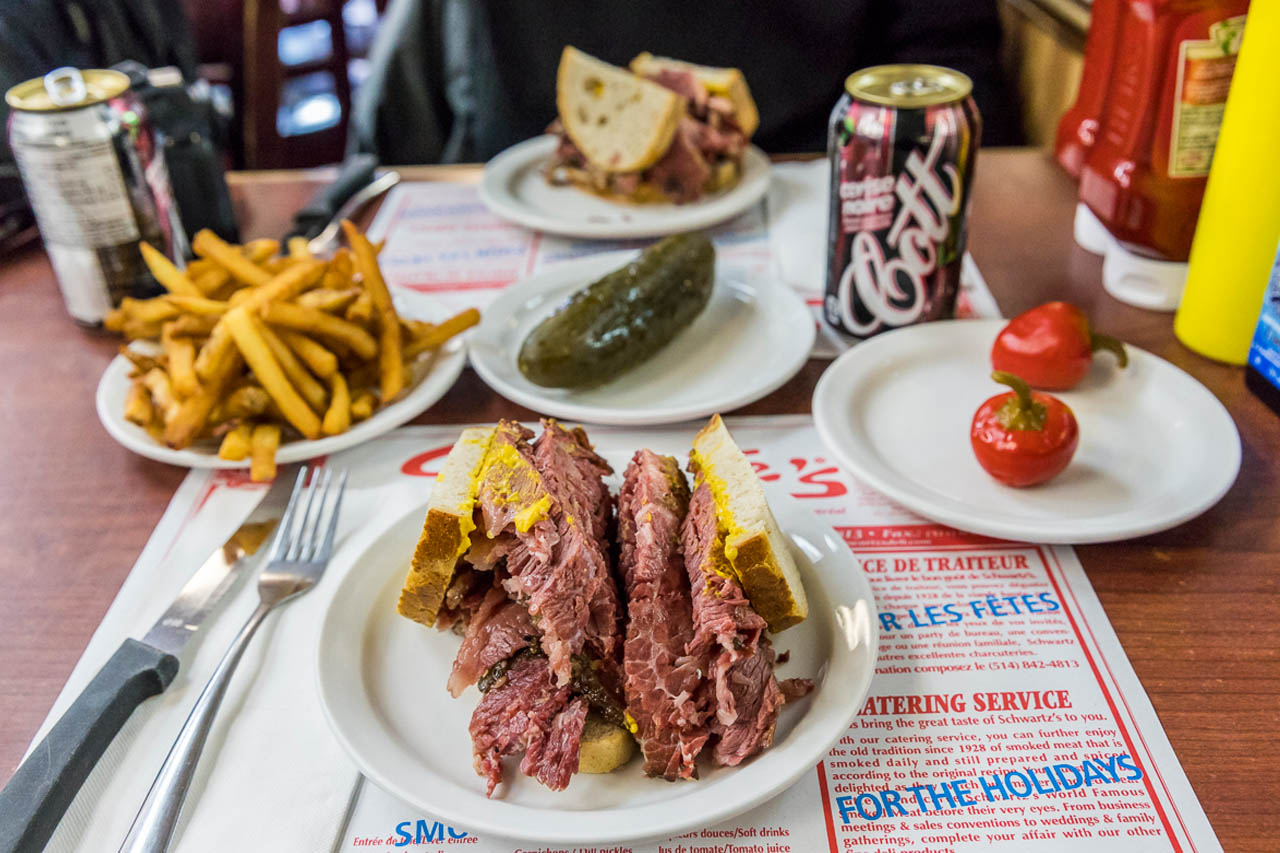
(625, 318)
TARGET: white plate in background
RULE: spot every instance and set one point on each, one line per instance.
(754, 335)
(515, 188)
(1156, 447)
(382, 685)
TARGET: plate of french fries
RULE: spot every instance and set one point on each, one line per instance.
(256, 356)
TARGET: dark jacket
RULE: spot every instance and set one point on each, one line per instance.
(459, 80)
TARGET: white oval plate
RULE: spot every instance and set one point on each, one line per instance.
(515, 189)
(115, 382)
(381, 680)
(1156, 447)
(754, 335)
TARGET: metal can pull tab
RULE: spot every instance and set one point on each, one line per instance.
(916, 86)
(65, 86)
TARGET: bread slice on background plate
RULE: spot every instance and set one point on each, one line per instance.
(621, 122)
(725, 82)
(754, 544)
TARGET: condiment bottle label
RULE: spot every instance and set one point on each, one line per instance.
(1205, 67)
(1264, 354)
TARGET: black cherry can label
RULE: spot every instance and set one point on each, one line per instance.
(902, 144)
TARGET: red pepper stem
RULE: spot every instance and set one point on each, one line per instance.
(1017, 383)
(1098, 341)
(1021, 412)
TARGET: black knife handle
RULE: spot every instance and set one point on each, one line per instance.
(39, 793)
(354, 175)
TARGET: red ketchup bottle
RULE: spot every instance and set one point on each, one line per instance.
(1145, 175)
(1078, 127)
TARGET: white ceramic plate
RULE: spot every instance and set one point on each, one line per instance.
(381, 680)
(754, 335)
(115, 382)
(515, 189)
(1156, 447)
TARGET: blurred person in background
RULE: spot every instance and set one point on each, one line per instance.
(461, 80)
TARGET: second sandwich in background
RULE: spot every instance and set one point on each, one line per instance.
(661, 131)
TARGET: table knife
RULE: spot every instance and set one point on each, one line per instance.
(39, 793)
(323, 244)
(354, 174)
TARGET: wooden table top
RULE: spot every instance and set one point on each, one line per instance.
(1197, 608)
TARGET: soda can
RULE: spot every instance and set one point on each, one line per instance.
(902, 144)
(76, 138)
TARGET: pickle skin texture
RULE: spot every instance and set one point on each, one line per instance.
(619, 322)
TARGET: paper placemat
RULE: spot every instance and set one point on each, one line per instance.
(1003, 715)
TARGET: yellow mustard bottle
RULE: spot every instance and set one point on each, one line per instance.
(1239, 226)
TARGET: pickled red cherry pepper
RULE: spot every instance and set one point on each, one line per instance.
(1051, 347)
(1023, 438)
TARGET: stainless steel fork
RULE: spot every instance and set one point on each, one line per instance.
(297, 559)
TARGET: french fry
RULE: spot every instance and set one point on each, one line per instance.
(157, 382)
(362, 405)
(193, 325)
(305, 384)
(213, 355)
(173, 279)
(155, 310)
(182, 356)
(329, 300)
(300, 277)
(141, 330)
(318, 360)
(390, 357)
(257, 354)
(288, 284)
(236, 444)
(200, 305)
(138, 408)
(440, 334)
(206, 244)
(361, 310)
(193, 413)
(338, 418)
(264, 443)
(324, 325)
(261, 249)
(248, 401)
(155, 426)
(364, 375)
(417, 346)
(415, 328)
(217, 283)
(141, 362)
(298, 247)
(115, 320)
(338, 275)
(201, 267)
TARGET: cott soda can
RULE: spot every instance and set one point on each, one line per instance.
(76, 138)
(902, 143)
